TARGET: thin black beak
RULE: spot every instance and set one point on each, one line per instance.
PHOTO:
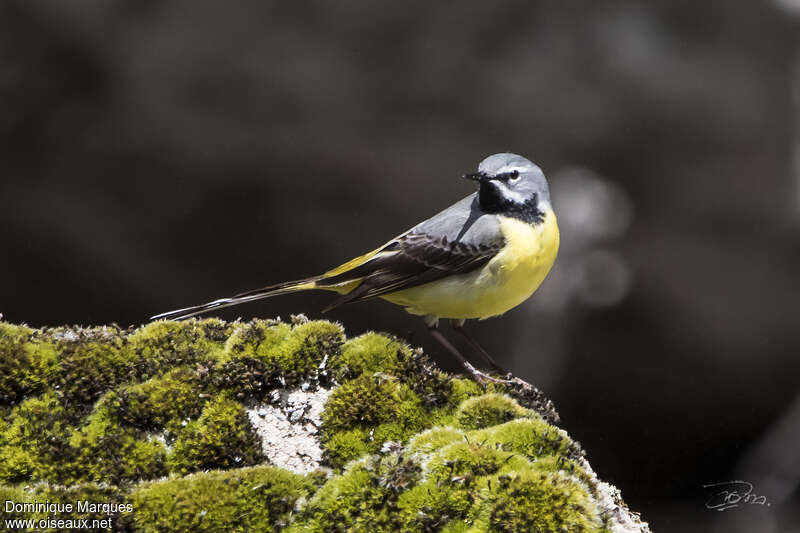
(477, 176)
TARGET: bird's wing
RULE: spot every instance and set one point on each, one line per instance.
(455, 241)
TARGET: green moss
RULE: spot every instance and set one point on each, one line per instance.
(90, 361)
(83, 499)
(304, 350)
(104, 450)
(560, 463)
(395, 470)
(160, 346)
(435, 506)
(531, 437)
(435, 438)
(383, 493)
(449, 479)
(27, 363)
(40, 444)
(256, 340)
(16, 494)
(463, 487)
(352, 502)
(379, 353)
(442, 416)
(369, 353)
(221, 438)
(83, 363)
(81, 405)
(462, 389)
(282, 355)
(264, 354)
(488, 410)
(35, 441)
(162, 403)
(390, 432)
(456, 488)
(422, 376)
(391, 408)
(373, 399)
(546, 502)
(467, 458)
(344, 446)
(17, 463)
(260, 498)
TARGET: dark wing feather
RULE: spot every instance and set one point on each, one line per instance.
(410, 260)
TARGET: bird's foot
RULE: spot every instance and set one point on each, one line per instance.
(483, 378)
(517, 388)
(479, 377)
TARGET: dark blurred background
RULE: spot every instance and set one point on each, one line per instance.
(155, 155)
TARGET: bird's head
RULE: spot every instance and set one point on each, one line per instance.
(510, 184)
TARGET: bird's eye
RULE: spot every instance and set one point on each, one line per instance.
(508, 176)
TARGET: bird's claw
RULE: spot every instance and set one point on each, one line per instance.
(482, 378)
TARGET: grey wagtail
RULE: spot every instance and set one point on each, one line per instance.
(476, 259)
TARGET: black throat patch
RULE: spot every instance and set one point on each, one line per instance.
(492, 201)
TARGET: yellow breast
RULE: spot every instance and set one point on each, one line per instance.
(506, 281)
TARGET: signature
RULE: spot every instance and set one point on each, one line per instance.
(730, 494)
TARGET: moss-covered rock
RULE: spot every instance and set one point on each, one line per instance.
(35, 443)
(134, 417)
(159, 346)
(90, 362)
(370, 353)
(163, 403)
(103, 507)
(259, 498)
(27, 363)
(488, 410)
(371, 409)
(542, 501)
(288, 355)
(221, 438)
(104, 450)
(448, 479)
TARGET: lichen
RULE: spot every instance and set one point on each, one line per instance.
(289, 430)
(377, 438)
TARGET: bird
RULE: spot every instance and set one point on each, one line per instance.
(477, 259)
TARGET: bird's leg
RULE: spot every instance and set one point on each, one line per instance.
(458, 325)
(436, 334)
(477, 375)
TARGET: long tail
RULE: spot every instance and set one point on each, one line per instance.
(249, 296)
(342, 279)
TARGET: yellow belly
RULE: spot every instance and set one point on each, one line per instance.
(506, 281)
